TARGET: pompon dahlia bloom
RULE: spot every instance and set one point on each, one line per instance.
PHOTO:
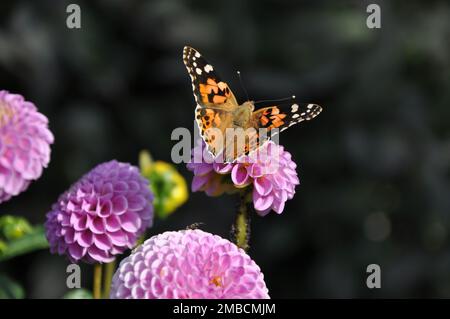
(188, 264)
(24, 144)
(270, 170)
(101, 215)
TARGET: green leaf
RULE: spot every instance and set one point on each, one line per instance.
(32, 241)
(9, 289)
(78, 294)
(14, 227)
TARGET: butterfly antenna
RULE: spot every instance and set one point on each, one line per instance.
(277, 100)
(242, 84)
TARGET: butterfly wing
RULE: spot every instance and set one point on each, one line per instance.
(278, 117)
(215, 100)
(284, 115)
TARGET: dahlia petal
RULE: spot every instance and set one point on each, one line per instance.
(130, 222)
(99, 255)
(239, 175)
(198, 182)
(102, 241)
(105, 209)
(84, 238)
(76, 251)
(79, 222)
(222, 168)
(61, 249)
(255, 170)
(136, 202)
(120, 187)
(202, 169)
(261, 203)
(118, 238)
(69, 235)
(106, 189)
(137, 292)
(263, 186)
(20, 164)
(97, 226)
(112, 223)
(278, 206)
(120, 205)
(133, 186)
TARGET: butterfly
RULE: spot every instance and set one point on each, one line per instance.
(218, 113)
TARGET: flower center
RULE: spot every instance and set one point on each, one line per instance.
(6, 112)
(217, 280)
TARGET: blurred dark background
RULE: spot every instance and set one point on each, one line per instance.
(374, 167)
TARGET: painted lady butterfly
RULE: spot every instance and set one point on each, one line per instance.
(218, 111)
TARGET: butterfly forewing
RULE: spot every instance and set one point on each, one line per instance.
(209, 89)
(215, 101)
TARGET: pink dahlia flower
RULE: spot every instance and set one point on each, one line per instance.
(101, 215)
(24, 144)
(271, 172)
(188, 264)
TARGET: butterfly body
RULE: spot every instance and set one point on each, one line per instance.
(219, 116)
(242, 115)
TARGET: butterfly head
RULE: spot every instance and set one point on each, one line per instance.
(250, 105)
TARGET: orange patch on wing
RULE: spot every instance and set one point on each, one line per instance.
(224, 87)
(277, 122)
(219, 99)
(278, 116)
(219, 90)
(264, 120)
(208, 88)
(217, 120)
(211, 82)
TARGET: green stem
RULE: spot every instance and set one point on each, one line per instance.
(97, 289)
(109, 272)
(241, 227)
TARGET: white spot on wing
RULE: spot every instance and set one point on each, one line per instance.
(294, 108)
(198, 70)
(295, 116)
(208, 68)
(197, 55)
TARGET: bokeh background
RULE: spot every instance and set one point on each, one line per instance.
(374, 167)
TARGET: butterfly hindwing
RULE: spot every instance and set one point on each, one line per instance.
(278, 117)
(212, 124)
(284, 115)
